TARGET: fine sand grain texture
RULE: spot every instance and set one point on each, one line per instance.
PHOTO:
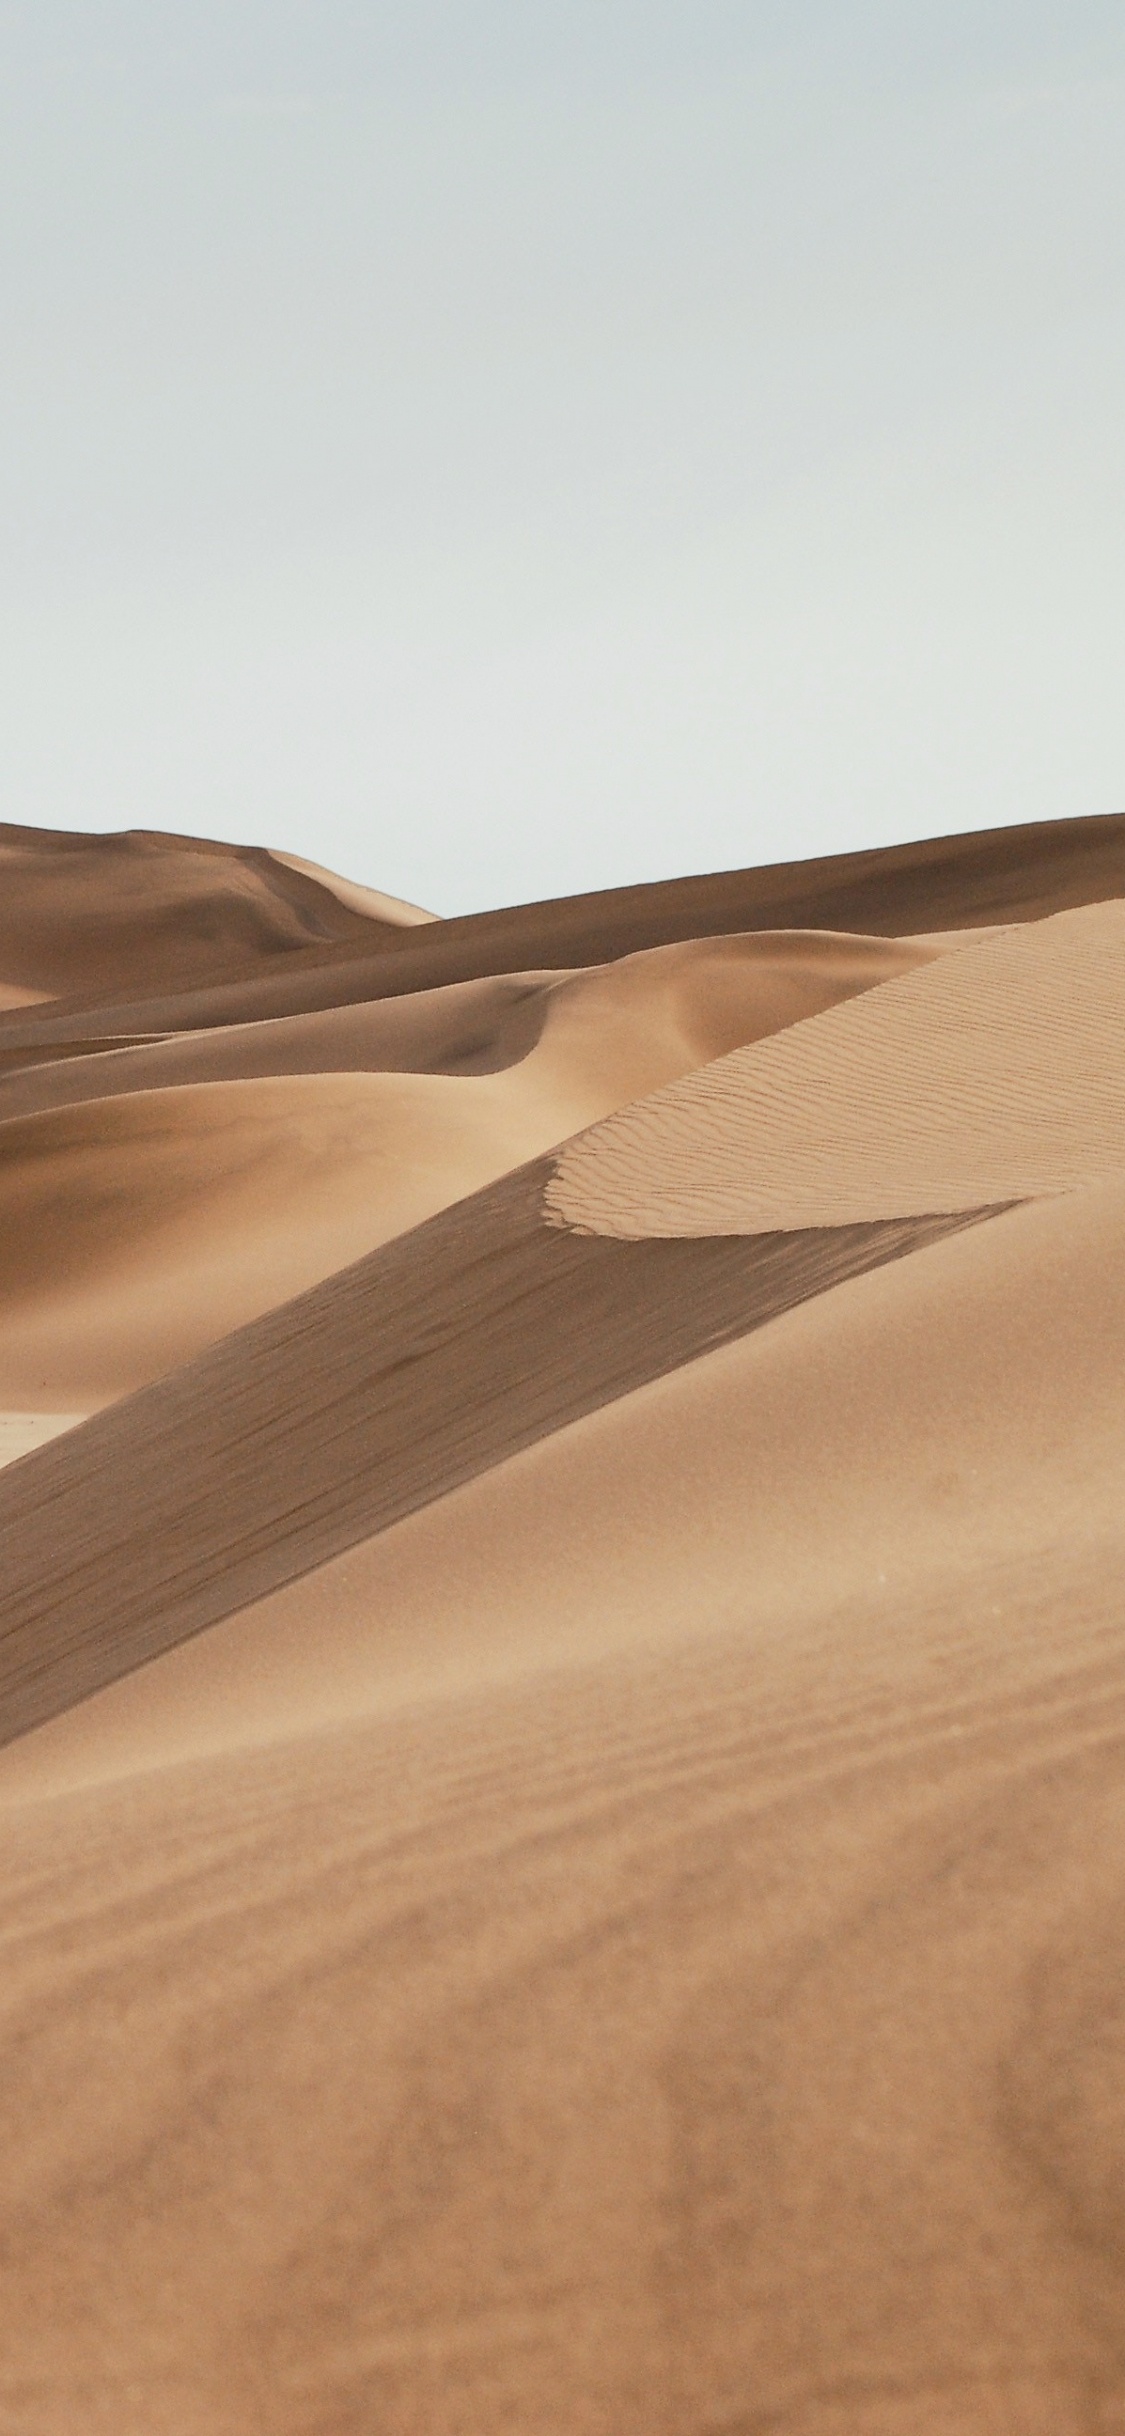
(562, 1652)
(994, 1074)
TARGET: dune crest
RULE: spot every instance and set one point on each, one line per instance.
(993, 1074)
(156, 1197)
(562, 1685)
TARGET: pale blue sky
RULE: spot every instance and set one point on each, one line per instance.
(503, 450)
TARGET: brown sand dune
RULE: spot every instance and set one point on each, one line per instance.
(616, 1927)
(718, 2031)
(373, 903)
(140, 910)
(942, 884)
(995, 1074)
(353, 1405)
(139, 1227)
(629, 1026)
(779, 1474)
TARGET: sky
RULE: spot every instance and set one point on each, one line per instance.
(499, 448)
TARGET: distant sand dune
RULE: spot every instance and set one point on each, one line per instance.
(81, 913)
(940, 885)
(368, 901)
(140, 1225)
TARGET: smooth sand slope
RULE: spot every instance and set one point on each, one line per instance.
(353, 1405)
(615, 1929)
(940, 885)
(715, 2029)
(204, 1181)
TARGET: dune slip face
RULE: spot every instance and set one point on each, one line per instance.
(354, 1405)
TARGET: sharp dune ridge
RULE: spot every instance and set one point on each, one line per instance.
(561, 1658)
(347, 1409)
(942, 884)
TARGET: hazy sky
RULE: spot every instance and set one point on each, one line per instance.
(500, 447)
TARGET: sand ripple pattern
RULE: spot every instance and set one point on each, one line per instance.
(994, 1074)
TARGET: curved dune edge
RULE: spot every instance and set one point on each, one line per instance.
(354, 895)
(767, 1481)
(355, 1404)
(992, 1074)
(590, 1899)
(940, 885)
(154, 1198)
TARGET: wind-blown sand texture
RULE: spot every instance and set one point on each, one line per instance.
(564, 1709)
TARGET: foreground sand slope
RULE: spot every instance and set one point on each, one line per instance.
(719, 2031)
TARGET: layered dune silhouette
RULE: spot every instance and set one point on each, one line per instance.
(561, 1671)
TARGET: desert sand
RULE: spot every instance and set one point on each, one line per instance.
(561, 1536)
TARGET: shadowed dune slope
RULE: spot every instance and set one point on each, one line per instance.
(372, 903)
(995, 1074)
(353, 1405)
(141, 910)
(942, 884)
(720, 2031)
(165, 1194)
(927, 1419)
(629, 1026)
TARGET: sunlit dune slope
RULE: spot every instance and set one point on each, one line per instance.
(164, 1194)
(353, 1405)
(939, 885)
(717, 2029)
(921, 1423)
(990, 1075)
(415, 1369)
(142, 910)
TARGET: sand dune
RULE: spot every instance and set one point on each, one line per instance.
(995, 1074)
(369, 901)
(83, 914)
(600, 1915)
(759, 1485)
(941, 885)
(715, 2030)
(146, 1212)
(355, 1404)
